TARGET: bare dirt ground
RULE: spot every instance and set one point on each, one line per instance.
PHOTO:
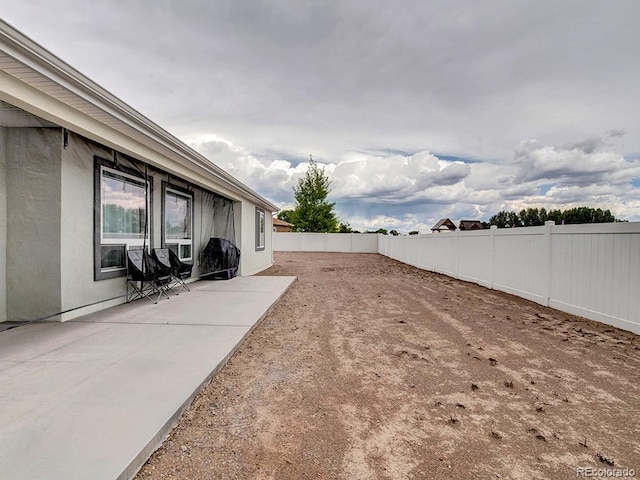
(371, 369)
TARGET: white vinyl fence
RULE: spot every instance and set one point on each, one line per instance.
(589, 270)
(325, 242)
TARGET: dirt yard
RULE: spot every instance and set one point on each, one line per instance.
(371, 369)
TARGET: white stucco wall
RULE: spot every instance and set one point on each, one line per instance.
(78, 287)
(79, 292)
(47, 192)
(33, 222)
(251, 260)
(3, 226)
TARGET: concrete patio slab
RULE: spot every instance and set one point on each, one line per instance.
(210, 303)
(92, 398)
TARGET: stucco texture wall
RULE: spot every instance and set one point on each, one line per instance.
(33, 222)
(251, 260)
(48, 233)
(3, 225)
(78, 287)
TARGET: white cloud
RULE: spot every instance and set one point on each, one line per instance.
(354, 82)
(403, 224)
(580, 162)
(394, 178)
(411, 192)
(472, 79)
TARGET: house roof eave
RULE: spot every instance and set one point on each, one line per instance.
(52, 76)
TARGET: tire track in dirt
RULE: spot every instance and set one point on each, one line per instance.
(366, 368)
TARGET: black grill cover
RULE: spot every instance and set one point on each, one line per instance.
(220, 256)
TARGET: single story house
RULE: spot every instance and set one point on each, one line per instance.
(444, 225)
(281, 225)
(466, 225)
(82, 174)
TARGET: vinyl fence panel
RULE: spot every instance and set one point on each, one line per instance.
(325, 242)
(589, 270)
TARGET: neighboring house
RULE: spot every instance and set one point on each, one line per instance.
(443, 225)
(281, 225)
(80, 171)
(470, 225)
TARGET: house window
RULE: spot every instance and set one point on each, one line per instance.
(121, 217)
(178, 222)
(260, 229)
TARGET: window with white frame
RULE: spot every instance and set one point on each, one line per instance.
(178, 222)
(121, 218)
(260, 229)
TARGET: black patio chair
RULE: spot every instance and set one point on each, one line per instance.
(181, 270)
(147, 278)
(161, 256)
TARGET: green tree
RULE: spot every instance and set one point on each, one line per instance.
(534, 217)
(587, 215)
(395, 233)
(555, 215)
(505, 219)
(312, 212)
(287, 216)
(414, 232)
(514, 220)
(499, 219)
(344, 227)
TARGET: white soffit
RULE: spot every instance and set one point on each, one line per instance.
(11, 116)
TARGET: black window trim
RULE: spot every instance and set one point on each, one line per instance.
(99, 162)
(260, 211)
(186, 192)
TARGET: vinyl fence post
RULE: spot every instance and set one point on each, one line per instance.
(492, 253)
(548, 227)
(435, 252)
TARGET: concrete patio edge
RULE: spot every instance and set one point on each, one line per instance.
(156, 442)
(94, 397)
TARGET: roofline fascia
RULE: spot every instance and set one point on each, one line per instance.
(36, 57)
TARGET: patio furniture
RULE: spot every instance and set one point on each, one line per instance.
(181, 270)
(147, 277)
(163, 257)
(220, 259)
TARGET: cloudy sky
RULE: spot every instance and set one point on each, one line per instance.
(418, 109)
